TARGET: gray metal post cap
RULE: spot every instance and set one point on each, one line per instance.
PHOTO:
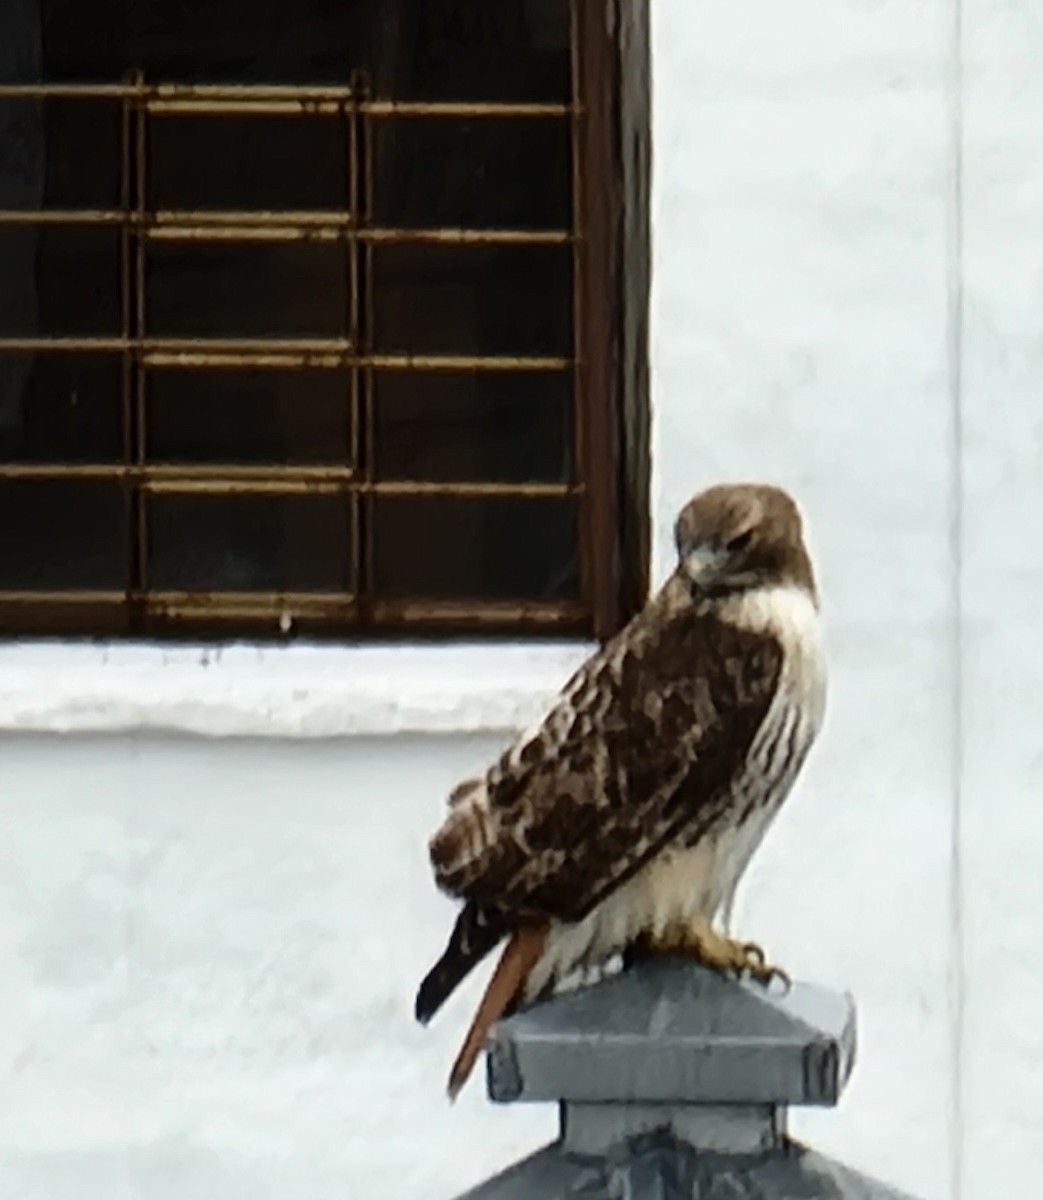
(676, 1033)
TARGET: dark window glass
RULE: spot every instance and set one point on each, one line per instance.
(498, 548)
(252, 290)
(474, 50)
(249, 417)
(251, 543)
(44, 159)
(61, 407)
(514, 428)
(509, 300)
(415, 49)
(503, 289)
(62, 536)
(252, 163)
(59, 282)
(74, 179)
(510, 173)
(226, 41)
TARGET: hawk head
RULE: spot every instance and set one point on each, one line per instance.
(738, 536)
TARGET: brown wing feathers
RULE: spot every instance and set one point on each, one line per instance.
(640, 749)
(657, 725)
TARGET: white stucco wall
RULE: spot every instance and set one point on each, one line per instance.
(208, 947)
(803, 332)
(1001, 842)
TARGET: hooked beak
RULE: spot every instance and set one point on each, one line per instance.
(702, 564)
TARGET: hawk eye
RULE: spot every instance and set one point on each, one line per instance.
(740, 542)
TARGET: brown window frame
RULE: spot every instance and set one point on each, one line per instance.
(610, 116)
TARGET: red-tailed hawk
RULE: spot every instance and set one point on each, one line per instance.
(626, 819)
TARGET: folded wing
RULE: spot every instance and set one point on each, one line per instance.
(644, 744)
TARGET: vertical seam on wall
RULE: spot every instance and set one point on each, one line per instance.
(955, 326)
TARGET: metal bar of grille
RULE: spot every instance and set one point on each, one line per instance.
(226, 481)
(601, 216)
(82, 596)
(463, 362)
(128, 367)
(274, 353)
(297, 217)
(468, 237)
(189, 359)
(223, 479)
(531, 491)
(394, 108)
(352, 151)
(476, 613)
(336, 608)
(239, 360)
(116, 345)
(291, 106)
(230, 93)
(579, 251)
(164, 473)
(367, 502)
(168, 471)
(250, 606)
(141, 352)
(342, 233)
(249, 233)
(304, 219)
(262, 99)
(278, 227)
(275, 345)
(139, 505)
(138, 89)
(72, 216)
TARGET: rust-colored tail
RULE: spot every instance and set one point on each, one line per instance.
(505, 988)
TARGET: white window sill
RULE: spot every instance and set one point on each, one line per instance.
(301, 691)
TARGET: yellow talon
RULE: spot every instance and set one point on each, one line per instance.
(712, 949)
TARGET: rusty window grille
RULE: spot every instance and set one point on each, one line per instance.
(193, 278)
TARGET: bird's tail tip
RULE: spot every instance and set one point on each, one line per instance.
(454, 1087)
(501, 995)
(428, 998)
(472, 938)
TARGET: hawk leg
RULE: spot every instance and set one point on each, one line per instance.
(701, 942)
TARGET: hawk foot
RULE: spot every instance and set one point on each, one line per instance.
(712, 949)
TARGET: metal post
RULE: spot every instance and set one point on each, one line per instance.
(674, 1084)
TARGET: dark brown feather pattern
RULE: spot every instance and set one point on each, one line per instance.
(693, 721)
(640, 750)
